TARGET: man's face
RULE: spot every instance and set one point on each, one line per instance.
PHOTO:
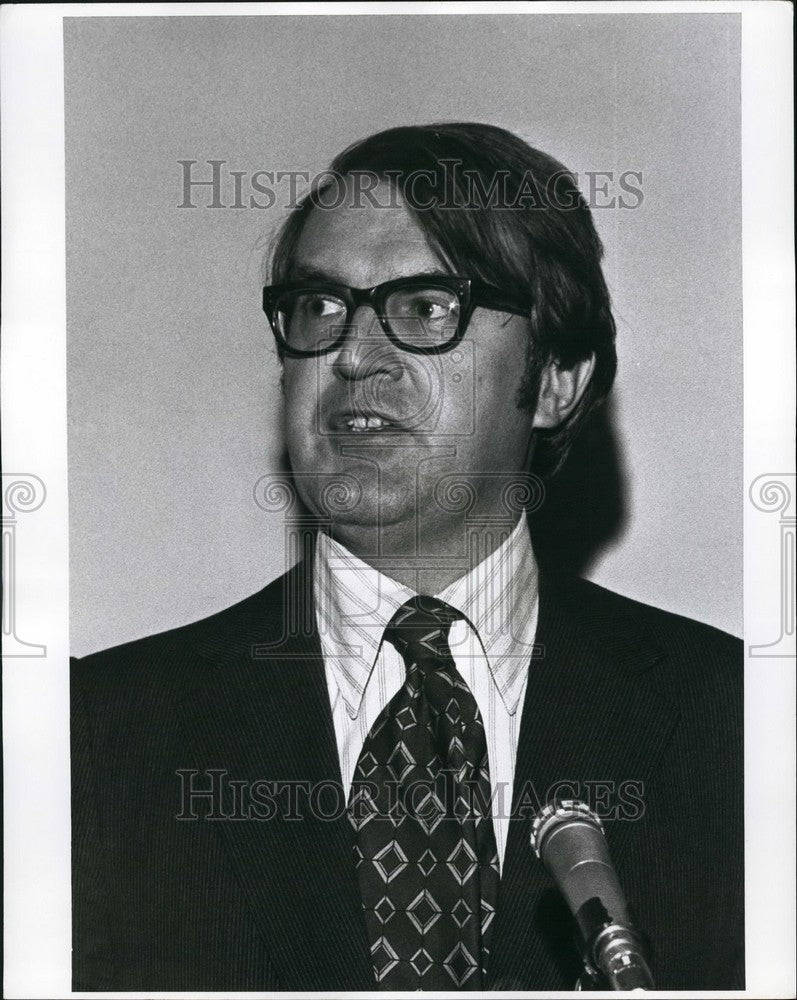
(428, 416)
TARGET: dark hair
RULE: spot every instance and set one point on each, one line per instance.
(495, 209)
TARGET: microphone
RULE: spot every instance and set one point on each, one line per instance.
(568, 838)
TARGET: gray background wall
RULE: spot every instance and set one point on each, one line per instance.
(173, 382)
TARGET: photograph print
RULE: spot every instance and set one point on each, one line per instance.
(404, 361)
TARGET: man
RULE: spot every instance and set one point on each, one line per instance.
(331, 785)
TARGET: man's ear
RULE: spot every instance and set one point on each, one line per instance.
(560, 391)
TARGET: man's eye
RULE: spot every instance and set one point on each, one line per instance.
(317, 306)
(430, 310)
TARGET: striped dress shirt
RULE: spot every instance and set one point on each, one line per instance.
(492, 648)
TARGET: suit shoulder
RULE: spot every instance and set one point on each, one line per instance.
(162, 649)
(609, 606)
(696, 666)
(694, 651)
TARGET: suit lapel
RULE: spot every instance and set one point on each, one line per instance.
(259, 709)
(589, 716)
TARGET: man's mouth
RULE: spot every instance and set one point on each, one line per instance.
(354, 420)
(368, 424)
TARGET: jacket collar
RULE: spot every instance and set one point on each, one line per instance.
(258, 707)
(594, 727)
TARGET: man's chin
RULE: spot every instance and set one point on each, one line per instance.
(355, 493)
(375, 512)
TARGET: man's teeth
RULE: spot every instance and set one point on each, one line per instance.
(367, 424)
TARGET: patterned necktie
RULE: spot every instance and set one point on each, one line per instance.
(420, 805)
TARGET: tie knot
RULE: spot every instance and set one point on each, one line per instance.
(420, 627)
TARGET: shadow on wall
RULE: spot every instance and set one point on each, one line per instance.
(585, 506)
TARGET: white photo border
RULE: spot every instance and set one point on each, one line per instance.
(36, 692)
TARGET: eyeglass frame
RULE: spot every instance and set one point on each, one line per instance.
(470, 295)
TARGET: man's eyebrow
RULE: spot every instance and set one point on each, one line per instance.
(301, 272)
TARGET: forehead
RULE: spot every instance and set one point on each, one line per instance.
(362, 242)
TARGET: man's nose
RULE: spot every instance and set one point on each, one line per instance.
(366, 351)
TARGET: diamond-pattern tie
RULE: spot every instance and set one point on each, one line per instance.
(420, 805)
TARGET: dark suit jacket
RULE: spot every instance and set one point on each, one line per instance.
(620, 692)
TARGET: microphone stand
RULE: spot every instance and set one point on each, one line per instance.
(569, 840)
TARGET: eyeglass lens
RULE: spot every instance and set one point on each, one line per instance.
(417, 316)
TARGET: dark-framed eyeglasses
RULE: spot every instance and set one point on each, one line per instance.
(422, 314)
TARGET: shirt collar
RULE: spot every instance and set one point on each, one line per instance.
(354, 602)
(499, 598)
